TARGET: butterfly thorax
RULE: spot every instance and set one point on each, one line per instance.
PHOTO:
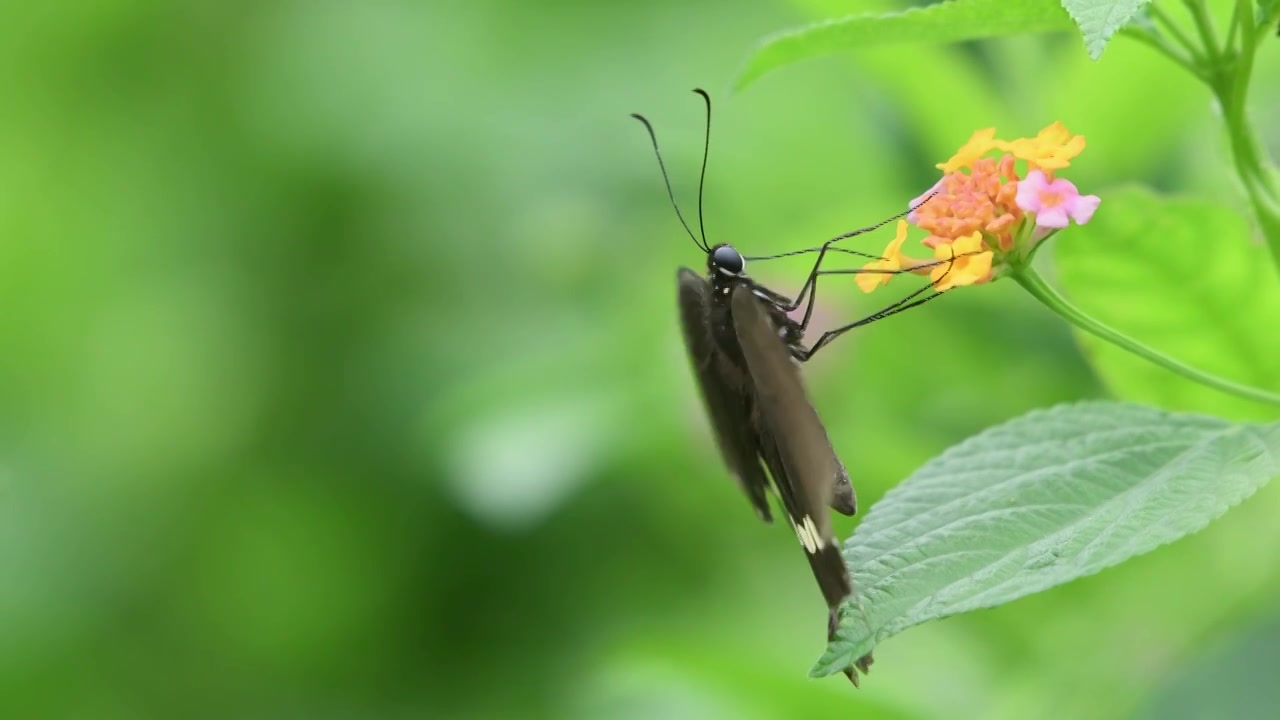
(726, 270)
(720, 318)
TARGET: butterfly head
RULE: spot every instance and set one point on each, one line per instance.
(726, 260)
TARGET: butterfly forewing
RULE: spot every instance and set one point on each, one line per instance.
(795, 445)
(725, 391)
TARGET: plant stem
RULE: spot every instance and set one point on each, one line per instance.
(1233, 29)
(1254, 170)
(1252, 164)
(1204, 25)
(1034, 284)
(1172, 28)
(1228, 71)
(1164, 47)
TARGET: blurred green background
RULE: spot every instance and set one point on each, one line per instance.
(340, 373)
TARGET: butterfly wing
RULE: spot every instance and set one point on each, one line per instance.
(793, 442)
(843, 499)
(725, 391)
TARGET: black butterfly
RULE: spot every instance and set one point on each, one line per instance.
(744, 349)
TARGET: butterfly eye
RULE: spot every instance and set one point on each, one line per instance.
(727, 260)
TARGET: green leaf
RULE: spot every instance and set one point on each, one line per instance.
(1100, 19)
(944, 22)
(1049, 497)
(1187, 278)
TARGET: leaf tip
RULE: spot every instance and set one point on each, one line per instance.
(760, 62)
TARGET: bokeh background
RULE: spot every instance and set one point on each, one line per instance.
(340, 374)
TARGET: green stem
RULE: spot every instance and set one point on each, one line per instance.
(1254, 171)
(1172, 28)
(1228, 71)
(1233, 29)
(1031, 281)
(1164, 47)
(1204, 26)
(1253, 166)
(1232, 92)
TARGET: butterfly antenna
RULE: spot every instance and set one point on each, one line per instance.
(702, 177)
(829, 247)
(886, 221)
(653, 138)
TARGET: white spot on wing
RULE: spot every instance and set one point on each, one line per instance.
(807, 531)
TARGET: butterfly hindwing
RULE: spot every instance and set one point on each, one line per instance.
(843, 499)
(725, 391)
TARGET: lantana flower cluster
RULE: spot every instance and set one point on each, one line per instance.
(996, 201)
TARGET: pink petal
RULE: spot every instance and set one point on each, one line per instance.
(1027, 198)
(1054, 217)
(1063, 187)
(1029, 189)
(1082, 208)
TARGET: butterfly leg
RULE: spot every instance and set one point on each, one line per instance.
(910, 301)
(862, 664)
(787, 305)
(906, 303)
